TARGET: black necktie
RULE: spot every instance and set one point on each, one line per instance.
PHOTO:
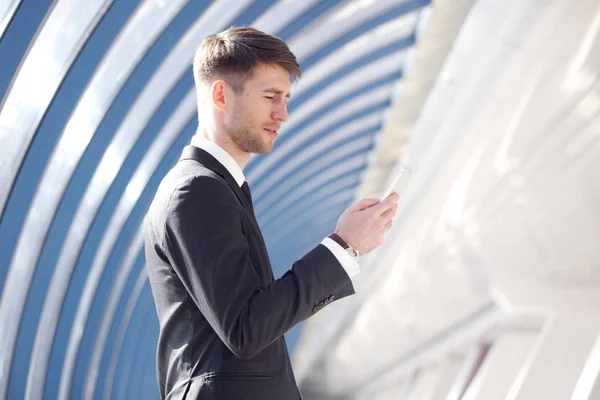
(246, 190)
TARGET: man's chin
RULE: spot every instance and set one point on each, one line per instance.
(261, 151)
(266, 149)
(259, 148)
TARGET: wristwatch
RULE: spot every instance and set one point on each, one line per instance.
(349, 249)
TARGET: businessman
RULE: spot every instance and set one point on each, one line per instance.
(222, 314)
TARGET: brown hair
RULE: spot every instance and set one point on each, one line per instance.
(232, 54)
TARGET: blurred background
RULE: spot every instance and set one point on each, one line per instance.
(488, 286)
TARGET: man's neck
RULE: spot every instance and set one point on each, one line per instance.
(222, 140)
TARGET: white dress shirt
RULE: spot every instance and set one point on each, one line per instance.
(350, 266)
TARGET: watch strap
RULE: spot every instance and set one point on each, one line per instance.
(336, 238)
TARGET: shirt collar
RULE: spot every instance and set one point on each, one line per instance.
(221, 155)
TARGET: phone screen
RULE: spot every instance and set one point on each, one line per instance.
(399, 182)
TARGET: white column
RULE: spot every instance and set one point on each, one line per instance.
(501, 365)
(426, 383)
(595, 392)
(448, 374)
(390, 392)
(558, 359)
(588, 385)
(470, 362)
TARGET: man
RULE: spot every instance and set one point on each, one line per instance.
(222, 314)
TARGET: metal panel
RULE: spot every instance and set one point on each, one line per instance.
(390, 33)
(57, 44)
(117, 65)
(336, 23)
(148, 331)
(314, 212)
(346, 183)
(306, 187)
(124, 327)
(321, 225)
(143, 312)
(7, 11)
(64, 33)
(314, 162)
(133, 252)
(281, 14)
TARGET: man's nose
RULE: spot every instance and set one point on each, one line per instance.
(280, 113)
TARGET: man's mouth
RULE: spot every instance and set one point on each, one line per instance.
(272, 131)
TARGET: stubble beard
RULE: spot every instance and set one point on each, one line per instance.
(240, 134)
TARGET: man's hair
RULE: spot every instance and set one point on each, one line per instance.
(232, 55)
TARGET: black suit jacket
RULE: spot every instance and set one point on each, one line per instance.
(222, 314)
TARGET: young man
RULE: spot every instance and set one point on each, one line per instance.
(222, 314)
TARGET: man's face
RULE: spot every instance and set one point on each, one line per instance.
(253, 119)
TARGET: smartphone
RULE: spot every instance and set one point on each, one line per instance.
(399, 182)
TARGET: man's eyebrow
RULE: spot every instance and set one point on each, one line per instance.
(276, 91)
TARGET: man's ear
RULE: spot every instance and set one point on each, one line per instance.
(217, 93)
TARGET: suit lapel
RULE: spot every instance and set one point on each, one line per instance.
(204, 158)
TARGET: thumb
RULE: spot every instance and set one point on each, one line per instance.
(363, 204)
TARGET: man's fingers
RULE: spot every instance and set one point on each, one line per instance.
(389, 203)
(363, 204)
(389, 213)
(388, 226)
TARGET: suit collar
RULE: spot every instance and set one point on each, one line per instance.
(221, 155)
(206, 159)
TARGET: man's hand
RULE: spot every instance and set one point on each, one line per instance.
(364, 224)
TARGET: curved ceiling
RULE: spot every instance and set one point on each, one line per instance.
(97, 103)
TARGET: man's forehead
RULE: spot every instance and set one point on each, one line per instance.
(271, 78)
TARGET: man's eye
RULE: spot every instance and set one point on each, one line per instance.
(269, 97)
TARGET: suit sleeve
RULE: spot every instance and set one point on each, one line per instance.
(211, 255)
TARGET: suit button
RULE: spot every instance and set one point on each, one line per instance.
(331, 298)
(317, 308)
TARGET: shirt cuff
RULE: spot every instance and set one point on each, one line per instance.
(350, 266)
